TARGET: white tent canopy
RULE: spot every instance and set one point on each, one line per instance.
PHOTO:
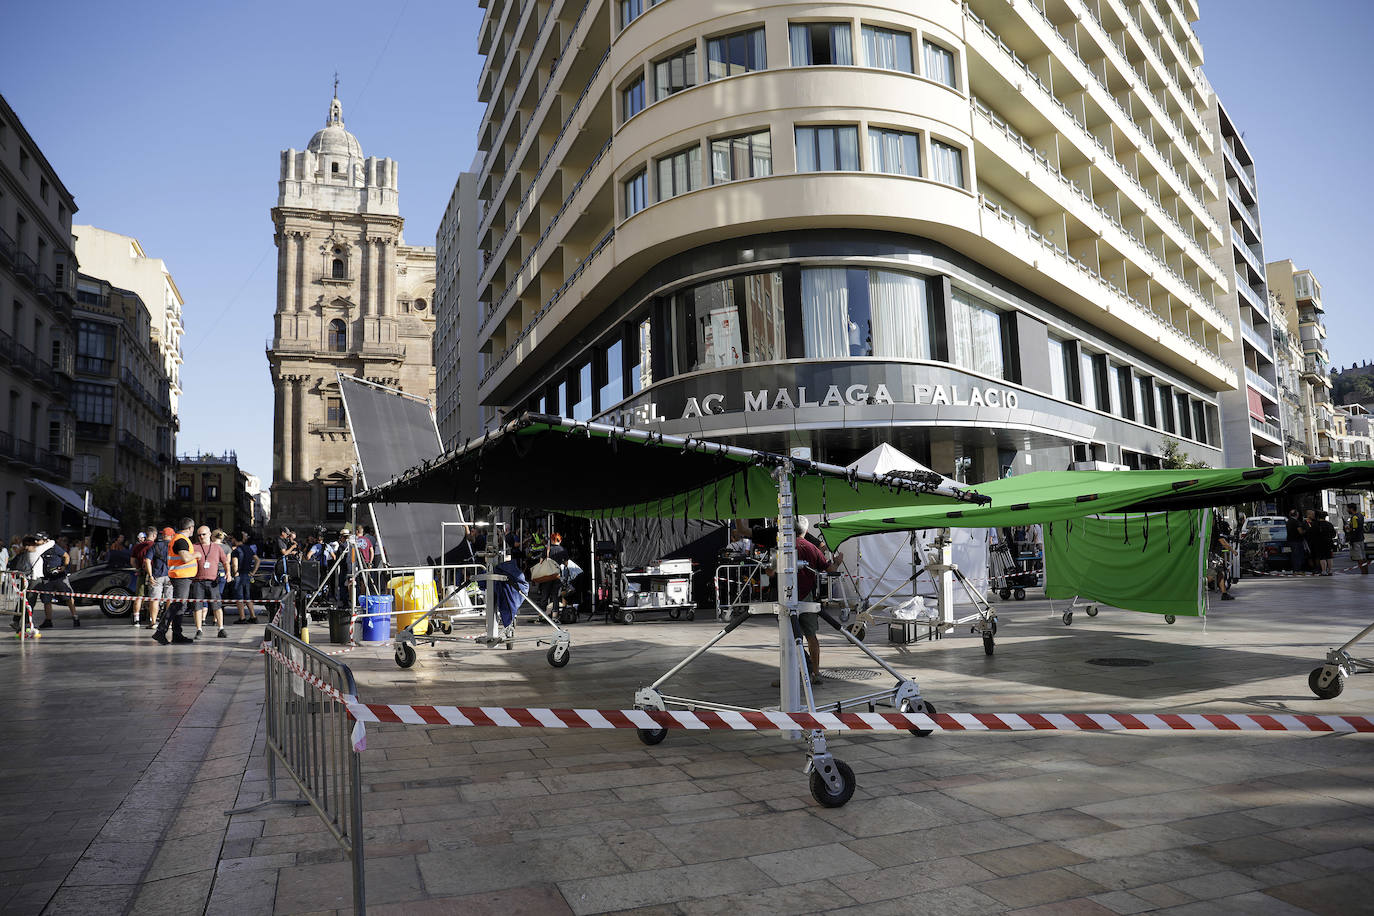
(883, 565)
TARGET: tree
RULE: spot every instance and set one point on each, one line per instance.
(1176, 459)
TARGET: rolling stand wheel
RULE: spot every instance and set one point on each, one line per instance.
(1068, 618)
(1092, 610)
(651, 736)
(1004, 594)
(691, 614)
(627, 617)
(559, 655)
(1019, 594)
(405, 655)
(989, 644)
(828, 798)
(1326, 682)
(674, 613)
(1169, 619)
(446, 628)
(925, 707)
(860, 632)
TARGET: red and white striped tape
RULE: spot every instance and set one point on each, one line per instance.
(506, 717)
(66, 594)
(359, 736)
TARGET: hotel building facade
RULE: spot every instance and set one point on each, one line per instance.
(981, 232)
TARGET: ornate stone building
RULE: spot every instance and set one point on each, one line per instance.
(352, 297)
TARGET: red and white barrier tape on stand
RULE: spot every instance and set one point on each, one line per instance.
(66, 594)
(505, 717)
(359, 736)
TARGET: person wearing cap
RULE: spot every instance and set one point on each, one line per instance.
(143, 583)
(52, 563)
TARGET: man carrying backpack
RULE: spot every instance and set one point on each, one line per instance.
(144, 589)
(53, 563)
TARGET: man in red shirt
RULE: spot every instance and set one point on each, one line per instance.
(814, 559)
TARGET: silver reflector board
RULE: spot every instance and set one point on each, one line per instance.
(393, 432)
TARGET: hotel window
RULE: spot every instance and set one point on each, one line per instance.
(817, 44)
(729, 322)
(857, 312)
(976, 335)
(1090, 373)
(613, 371)
(939, 64)
(899, 310)
(561, 398)
(642, 375)
(632, 99)
(1059, 370)
(828, 149)
(679, 173)
(741, 52)
(894, 151)
(1200, 422)
(1125, 394)
(1164, 408)
(636, 192)
(745, 156)
(675, 73)
(888, 49)
(1147, 403)
(582, 407)
(630, 10)
(1185, 420)
(947, 163)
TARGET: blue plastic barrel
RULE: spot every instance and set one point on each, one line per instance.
(374, 629)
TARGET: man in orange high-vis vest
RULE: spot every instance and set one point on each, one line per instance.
(181, 568)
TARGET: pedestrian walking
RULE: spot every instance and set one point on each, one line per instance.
(54, 566)
(1354, 536)
(1297, 542)
(211, 559)
(144, 590)
(243, 565)
(1321, 542)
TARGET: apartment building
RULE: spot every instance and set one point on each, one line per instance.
(1252, 418)
(121, 400)
(213, 490)
(982, 232)
(37, 293)
(455, 354)
(1294, 397)
(1301, 295)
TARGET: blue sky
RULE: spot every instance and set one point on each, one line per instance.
(165, 120)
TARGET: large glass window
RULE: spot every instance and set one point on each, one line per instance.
(1147, 402)
(729, 322)
(613, 371)
(894, 151)
(745, 156)
(737, 53)
(828, 329)
(1185, 420)
(1200, 432)
(560, 397)
(93, 403)
(820, 43)
(631, 10)
(636, 192)
(1089, 373)
(828, 149)
(632, 99)
(338, 336)
(1059, 374)
(1125, 391)
(675, 73)
(679, 173)
(94, 348)
(334, 411)
(939, 64)
(947, 163)
(888, 49)
(643, 374)
(336, 501)
(582, 407)
(899, 310)
(976, 335)
(763, 317)
(1164, 408)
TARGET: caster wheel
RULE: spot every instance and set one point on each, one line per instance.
(988, 644)
(652, 736)
(674, 613)
(1068, 618)
(1019, 594)
(1004, 594)
(1326, 682)
(1169, 619)
(691, 614)
(1092, 611)
(926, 707)
(830, 798)
(993, 621)
(446, 628)
(559, 655)
(405, 655)
(627, 617)
(860, 632)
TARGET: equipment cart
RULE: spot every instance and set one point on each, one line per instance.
(664, 586)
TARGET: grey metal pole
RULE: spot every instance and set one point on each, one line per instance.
(789, 674)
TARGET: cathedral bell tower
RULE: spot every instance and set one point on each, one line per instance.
(352, 297)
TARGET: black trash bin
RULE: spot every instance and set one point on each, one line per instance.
(338, 625)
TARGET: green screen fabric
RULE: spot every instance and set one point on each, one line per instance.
(1152, 562)
(1052, 496)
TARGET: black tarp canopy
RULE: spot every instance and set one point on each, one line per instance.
(591, 469)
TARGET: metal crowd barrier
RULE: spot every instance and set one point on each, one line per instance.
(309, 731)
(13, 588)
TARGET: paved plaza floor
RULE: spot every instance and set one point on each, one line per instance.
(121, 756)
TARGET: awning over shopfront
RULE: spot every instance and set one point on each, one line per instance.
(96, 517)
(591, 469)
(1052, 496)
